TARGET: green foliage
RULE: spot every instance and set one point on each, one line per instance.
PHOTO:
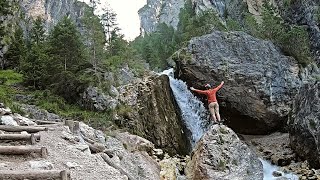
(233, 25)
(9, 77)
(222, 165)
(17, 49)
(95, 37)
(66, 48)
(293, 40)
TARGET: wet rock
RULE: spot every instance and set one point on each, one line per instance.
(304, 123)
(276, 173)
(257, 99)
(221, 155)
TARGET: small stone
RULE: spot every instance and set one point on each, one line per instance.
(72, 165)
(41, 165)
(276, 173)
(2, 165)
(8, 120)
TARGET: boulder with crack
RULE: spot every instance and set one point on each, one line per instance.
(221, 155)
(260, 82)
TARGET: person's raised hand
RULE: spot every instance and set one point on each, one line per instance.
(192, 89)
(222, 82)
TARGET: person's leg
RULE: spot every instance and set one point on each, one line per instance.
(216, 109)
(211, 109)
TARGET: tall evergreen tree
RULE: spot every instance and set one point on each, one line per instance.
(67, 58)
(66, 47)
(95, 38)
(17, 50)
(33, 66)
(109, 20)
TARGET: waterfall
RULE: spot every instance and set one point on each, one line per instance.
(194, 114)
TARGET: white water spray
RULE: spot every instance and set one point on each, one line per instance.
(193, 112)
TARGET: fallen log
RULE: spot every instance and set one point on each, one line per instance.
(21, 150)
(39, 122)
(35, 174)
(112, 164)
(33, 138)
(29, 129)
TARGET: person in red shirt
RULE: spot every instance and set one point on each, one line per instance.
(212, 100)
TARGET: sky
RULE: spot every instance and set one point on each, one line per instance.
(127, 15)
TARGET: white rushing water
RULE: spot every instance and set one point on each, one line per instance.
(193, 112)
(268, 169)
(194, 115)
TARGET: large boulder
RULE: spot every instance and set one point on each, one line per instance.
(153, 113)
(260, 82)
(221, 155)
(305, 122)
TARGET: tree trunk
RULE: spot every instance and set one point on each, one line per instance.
(21, 137)
(29, 129)
(35, 174)
(21, 150)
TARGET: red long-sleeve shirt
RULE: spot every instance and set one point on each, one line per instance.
(211, 93)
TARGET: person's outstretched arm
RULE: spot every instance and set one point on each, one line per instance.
(198, 91)
(218, 87)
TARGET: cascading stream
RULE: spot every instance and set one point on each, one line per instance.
(193, 112)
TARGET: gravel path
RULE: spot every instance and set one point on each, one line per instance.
(86, 166)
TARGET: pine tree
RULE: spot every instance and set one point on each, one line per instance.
(17, 50)
(95, 38)
(33, 66)
(66, 47)
(109, 20)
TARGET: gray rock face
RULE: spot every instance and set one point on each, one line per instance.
(8, 120)
(94, 99)
(136, 163)
(305, 122)
(153, 114)
(163, 11)
(260, 82)
(304, 13)
(39, 114)
(221, 155)
(52, 10)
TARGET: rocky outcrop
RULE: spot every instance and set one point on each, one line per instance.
(40, 114)
(304, 13)
(260, 82)
(305, 122)
(152, 113)
(94, 99)
(53, 10)
(221, 155)
(163, 11)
